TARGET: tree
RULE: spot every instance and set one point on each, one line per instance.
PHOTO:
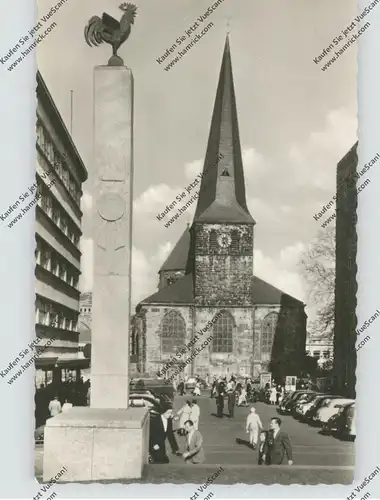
(318, 270)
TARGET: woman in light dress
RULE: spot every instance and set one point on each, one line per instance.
(183, 414)
(253, 427)
(242, 398)
(273, 396)
(197, 389)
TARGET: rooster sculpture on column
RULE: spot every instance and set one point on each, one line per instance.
(109, 30)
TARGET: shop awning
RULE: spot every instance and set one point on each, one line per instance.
(55, 362)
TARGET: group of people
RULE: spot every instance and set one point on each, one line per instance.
(273, 445)
(161, 429)
(71, 391)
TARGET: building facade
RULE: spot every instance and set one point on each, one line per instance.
(60, 173)
(345, 280)
(319, 347)
(207, 282)
(85, 321)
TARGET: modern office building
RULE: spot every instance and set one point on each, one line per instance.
(345, 280)
(60, 173)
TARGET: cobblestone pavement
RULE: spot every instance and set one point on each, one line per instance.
(309, 447)
(317, 458)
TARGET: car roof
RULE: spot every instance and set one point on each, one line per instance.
(348, 400)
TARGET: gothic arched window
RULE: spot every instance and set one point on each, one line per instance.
(222, 333)
(268, 329)
(173, 332)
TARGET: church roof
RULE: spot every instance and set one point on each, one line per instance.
(182, 292)
(264, 293)
(222, 192)
(178, 257)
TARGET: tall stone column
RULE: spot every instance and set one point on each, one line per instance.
(112, 229)
(108, 440)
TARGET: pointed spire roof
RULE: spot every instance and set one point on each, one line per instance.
(222, 192)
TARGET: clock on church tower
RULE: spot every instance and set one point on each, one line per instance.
(224, 240)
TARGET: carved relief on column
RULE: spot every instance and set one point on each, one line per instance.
(112, 232)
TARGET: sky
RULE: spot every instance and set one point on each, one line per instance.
(296, 121)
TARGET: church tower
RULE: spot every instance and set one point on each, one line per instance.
(221, 249)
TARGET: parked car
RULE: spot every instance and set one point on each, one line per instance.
(156, 387)
(190, 383)
(349, 426)
(320, 402)
(336, 422)
(290, 404)
(288, 397)
(303, 406)
(330, 409)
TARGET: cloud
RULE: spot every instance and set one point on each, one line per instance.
(281, 270)
(314, 161)
(193, 168)
(144, 269)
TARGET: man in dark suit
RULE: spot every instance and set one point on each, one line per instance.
(278, 444)
(161, 427)
(220, 400)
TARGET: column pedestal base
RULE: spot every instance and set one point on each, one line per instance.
(96, 444)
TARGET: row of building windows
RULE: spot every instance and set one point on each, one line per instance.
(173, 333)
(85, 309)
(58, 162)
(57, 214)
(49, 314)
(52, 261)
(319, 354)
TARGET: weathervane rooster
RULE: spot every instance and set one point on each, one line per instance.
(109, 30)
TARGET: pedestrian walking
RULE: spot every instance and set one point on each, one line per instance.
(195, 414)
(213, 388)
(183, 414)
(273, 396)
(242, 401)
(55, 407)
(253, 426)
(181, 388)
(278, 444)
(220, 400)
(66, 406)
(263, 459)
(194, 453)
(231, 403)
(197, 389)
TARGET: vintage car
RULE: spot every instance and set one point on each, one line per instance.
(288, 405)
(336, 423)
(303, 406)
(330, 409)
(319, 402)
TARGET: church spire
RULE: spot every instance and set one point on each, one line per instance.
(222, 192)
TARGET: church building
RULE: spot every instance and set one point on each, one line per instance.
(208, 280)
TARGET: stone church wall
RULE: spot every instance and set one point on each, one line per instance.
(223, 276)
(155, 359)
(240, 360)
